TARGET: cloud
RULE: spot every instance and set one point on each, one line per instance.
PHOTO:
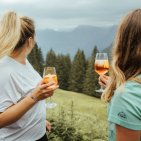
(71, 13)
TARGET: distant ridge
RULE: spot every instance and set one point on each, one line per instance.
(83, 37)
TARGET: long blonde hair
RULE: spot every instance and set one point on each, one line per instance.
(14, 31)
(126, 63)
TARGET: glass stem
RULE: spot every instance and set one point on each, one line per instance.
(101, 88)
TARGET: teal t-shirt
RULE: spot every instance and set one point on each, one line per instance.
(125, 109)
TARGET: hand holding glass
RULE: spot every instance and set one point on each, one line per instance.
(49, 75)
(101, 65)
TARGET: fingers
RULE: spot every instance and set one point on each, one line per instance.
(48, 126)
(43, 91)
(103, 80)
(48, 94)
(50, 89)
(102, 84)
(106, 77)
(43, 86)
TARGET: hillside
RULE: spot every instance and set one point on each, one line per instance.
(83, 37)
(82, 103)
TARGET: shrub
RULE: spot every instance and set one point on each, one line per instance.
(68, 125)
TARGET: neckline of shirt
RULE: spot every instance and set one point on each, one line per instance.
(16, 62)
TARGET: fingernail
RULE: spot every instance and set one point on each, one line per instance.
(50, 83)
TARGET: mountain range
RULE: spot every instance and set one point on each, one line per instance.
(82, 37)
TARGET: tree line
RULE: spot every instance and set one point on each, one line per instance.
(75, 74)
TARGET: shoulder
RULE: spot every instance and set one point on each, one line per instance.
(130, 93)
(125, 106)
(29, 65)
(6, 71)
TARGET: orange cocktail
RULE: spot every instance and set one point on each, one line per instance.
(101, 66)
(50, 78)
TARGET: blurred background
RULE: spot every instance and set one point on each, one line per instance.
(66, 25)
(69, 33)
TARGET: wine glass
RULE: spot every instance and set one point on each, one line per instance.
(49, 75)
(101, 65)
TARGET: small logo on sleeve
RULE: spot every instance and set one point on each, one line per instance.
(122, 115)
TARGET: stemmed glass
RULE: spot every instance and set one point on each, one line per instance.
(49, 75)
(101, 66)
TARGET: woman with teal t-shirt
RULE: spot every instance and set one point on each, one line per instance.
(123, 89)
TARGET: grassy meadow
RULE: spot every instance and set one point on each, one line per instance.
(77, 117)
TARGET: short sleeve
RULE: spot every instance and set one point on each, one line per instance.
(125, 106)
(9, 93)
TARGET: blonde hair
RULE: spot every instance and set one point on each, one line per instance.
(126, 63)
(14, 31)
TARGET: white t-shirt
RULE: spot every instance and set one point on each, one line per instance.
(18, 80)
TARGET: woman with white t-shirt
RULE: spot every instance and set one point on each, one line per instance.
(22, 93)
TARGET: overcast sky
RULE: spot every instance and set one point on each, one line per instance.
(64, 14)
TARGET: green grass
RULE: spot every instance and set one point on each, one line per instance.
(83, 104)
(89, 112)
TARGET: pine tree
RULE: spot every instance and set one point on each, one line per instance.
(36, 59)
(78, 70)
(32, 57)
(40, 61)
(67, 66)
(51, 59)
(63, 65)
(91, 79)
